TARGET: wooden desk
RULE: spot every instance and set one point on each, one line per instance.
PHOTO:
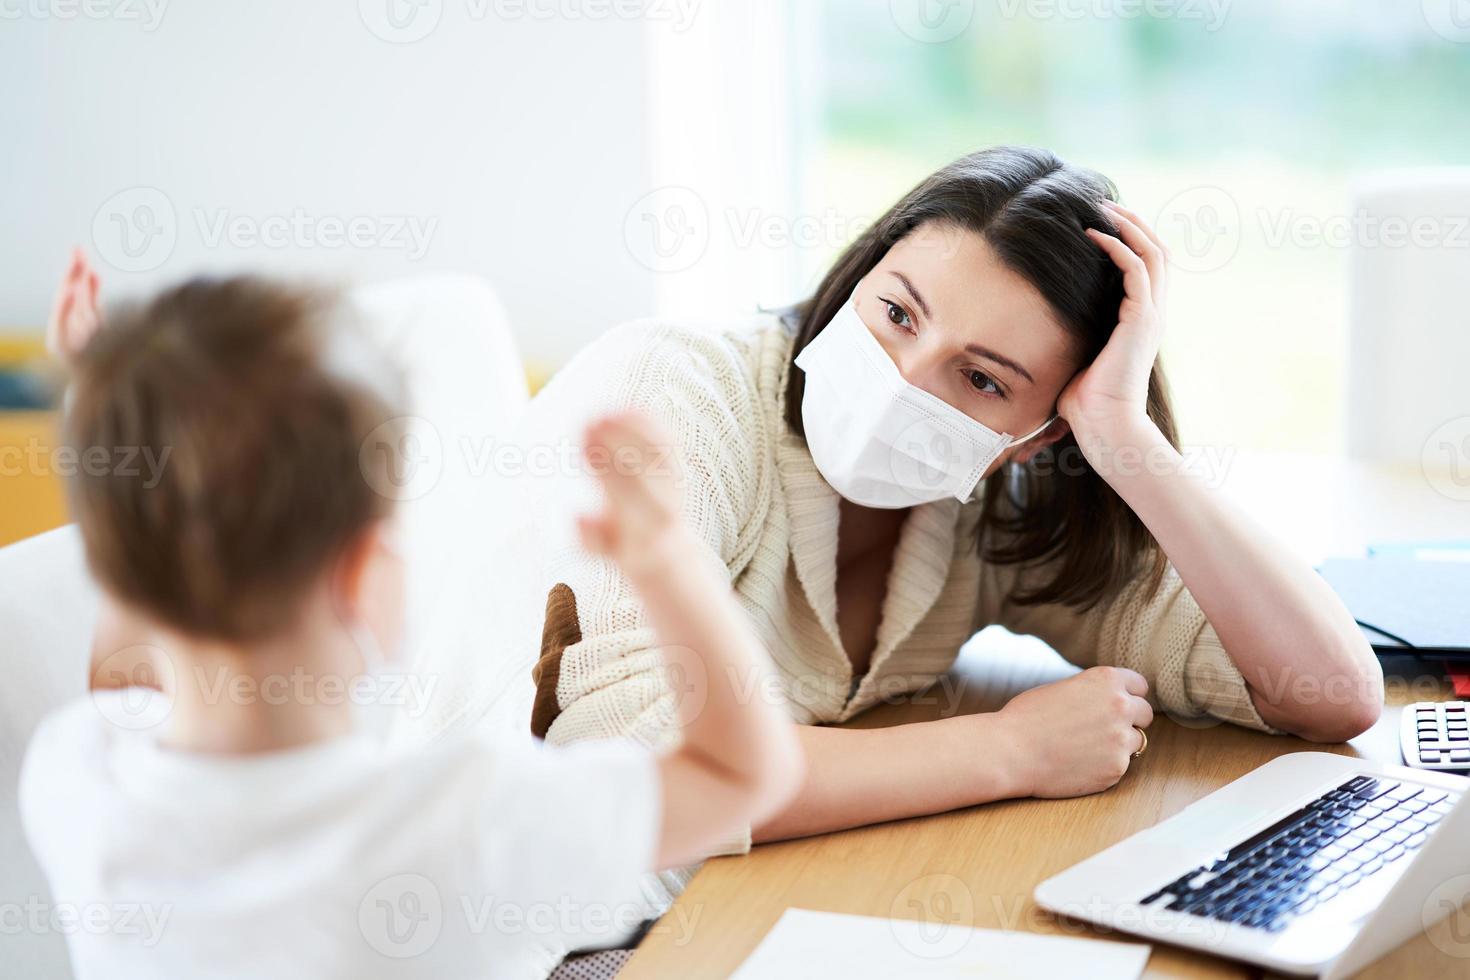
(978, 866)
(982, 863)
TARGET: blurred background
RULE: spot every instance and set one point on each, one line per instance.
(599, 160)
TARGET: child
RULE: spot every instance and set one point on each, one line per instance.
(244, 822)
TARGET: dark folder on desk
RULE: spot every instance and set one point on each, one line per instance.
(1407, 606)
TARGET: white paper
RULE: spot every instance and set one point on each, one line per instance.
(815, 945)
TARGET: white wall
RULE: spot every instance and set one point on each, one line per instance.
(517, 142)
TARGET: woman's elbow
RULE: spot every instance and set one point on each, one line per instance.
(1352, 701)
(1344, 723)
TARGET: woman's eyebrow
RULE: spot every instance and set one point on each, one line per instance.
(975, 349)
(923, 306)
(1000, 359)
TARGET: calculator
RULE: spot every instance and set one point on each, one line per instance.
(1436, 735)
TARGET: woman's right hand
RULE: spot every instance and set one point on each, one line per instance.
(74, 313)
(1077, 736)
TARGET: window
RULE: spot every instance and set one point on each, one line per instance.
(1238, 128)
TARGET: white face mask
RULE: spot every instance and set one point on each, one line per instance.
(878, 440)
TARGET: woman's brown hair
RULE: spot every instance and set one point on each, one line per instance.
(1032, 208)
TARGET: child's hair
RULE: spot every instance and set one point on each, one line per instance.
(262, 396)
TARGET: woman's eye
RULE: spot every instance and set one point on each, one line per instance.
(982, 382)
(897, 315)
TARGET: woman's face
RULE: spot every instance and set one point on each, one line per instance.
(965, 328)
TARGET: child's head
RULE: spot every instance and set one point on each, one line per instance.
(263, 397)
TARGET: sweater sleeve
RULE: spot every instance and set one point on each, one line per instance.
(1163, 635)
(600, 673)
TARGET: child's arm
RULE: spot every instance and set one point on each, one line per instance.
(739, 762)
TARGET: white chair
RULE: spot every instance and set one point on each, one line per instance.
(451, 336)
(47, 605)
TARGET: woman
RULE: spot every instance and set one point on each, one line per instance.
(845, 465)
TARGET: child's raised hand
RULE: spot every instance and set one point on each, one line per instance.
(632, 457)
(75, 317)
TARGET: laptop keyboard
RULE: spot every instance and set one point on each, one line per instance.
(1310, 856)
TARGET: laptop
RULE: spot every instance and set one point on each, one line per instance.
(1313, 864)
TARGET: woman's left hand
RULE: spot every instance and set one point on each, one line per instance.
(1110, 396)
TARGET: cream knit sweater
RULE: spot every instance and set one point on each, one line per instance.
(754, 496)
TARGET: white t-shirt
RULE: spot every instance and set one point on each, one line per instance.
(333, 860)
